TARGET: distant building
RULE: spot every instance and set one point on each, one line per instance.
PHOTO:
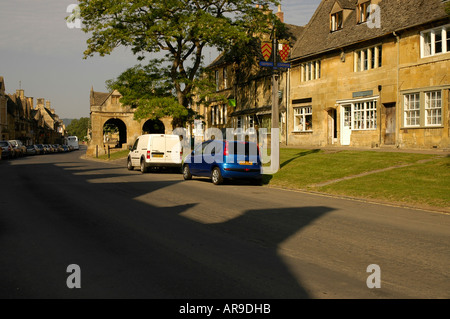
(3, 111)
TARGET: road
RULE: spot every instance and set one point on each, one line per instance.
(157, 236)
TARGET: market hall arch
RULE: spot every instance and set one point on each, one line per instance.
(115, 133)
(106, 107)
(153, 126)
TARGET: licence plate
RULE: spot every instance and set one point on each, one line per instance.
(245, 163)
(157, 155)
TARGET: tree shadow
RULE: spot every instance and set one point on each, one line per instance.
(300, 154)
(267, 178)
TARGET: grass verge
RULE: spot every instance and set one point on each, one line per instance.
(115, 155)
(425, 184)
(418, 184)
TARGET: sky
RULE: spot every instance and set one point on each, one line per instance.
(40, 54)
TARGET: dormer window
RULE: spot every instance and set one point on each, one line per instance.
(336, 21)
(363, 11)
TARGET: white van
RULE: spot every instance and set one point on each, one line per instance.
(73, 141)
(155, 150)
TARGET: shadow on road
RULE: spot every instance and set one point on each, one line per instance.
(127, 248)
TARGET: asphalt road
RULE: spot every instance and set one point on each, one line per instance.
(157, 236)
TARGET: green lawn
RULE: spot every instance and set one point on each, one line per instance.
(426, 184)
(304, 168)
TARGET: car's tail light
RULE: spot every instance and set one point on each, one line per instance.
(148, 154)
(225, 149)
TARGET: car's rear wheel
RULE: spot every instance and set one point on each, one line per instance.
(186, 172)
(143, 167)
(129, 166)
(216, 176)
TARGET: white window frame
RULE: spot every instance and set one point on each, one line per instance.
(300, 118)
(411, 110)
(311, 70)
(427, 109)
(430, 35)
(364, 113)
(250, 121)
(239, 122)
(433, 108)
(368, 58)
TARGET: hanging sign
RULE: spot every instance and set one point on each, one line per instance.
(283, 50)
(266, 49)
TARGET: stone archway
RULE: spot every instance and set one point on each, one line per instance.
(107, 109)
(153, 126)
(114, 133)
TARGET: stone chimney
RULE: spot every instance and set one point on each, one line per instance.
(40, 103)
(20, 93)
(31, 102)
(47, 105)
(280, 14)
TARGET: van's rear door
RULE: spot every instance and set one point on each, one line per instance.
(158, 148)
(173, 149)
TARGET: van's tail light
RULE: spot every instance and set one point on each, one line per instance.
(181, 154)
(148, 154)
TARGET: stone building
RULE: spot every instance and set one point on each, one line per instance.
(113, 124)
(3, 112)
(20, 120)
(54, 129)
(372, 74)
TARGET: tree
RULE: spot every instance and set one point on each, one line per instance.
(181, 29)
(78, 128)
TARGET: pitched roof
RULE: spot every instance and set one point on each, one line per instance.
(396, 15)
(98, 98)
(2, 85)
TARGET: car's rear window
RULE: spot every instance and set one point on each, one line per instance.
(3, 144)
(242, 148)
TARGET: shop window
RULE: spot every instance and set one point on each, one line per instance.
(303, 119)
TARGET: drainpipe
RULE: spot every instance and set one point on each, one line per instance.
(397, 112)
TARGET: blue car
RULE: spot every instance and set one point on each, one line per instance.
(221, 159)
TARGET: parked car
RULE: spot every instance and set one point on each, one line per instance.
(7, 150)
(18, 148)
(32, 150)
(155, 150)
(41, 149)
(49, 148)
(221, 160)
(58, 148)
